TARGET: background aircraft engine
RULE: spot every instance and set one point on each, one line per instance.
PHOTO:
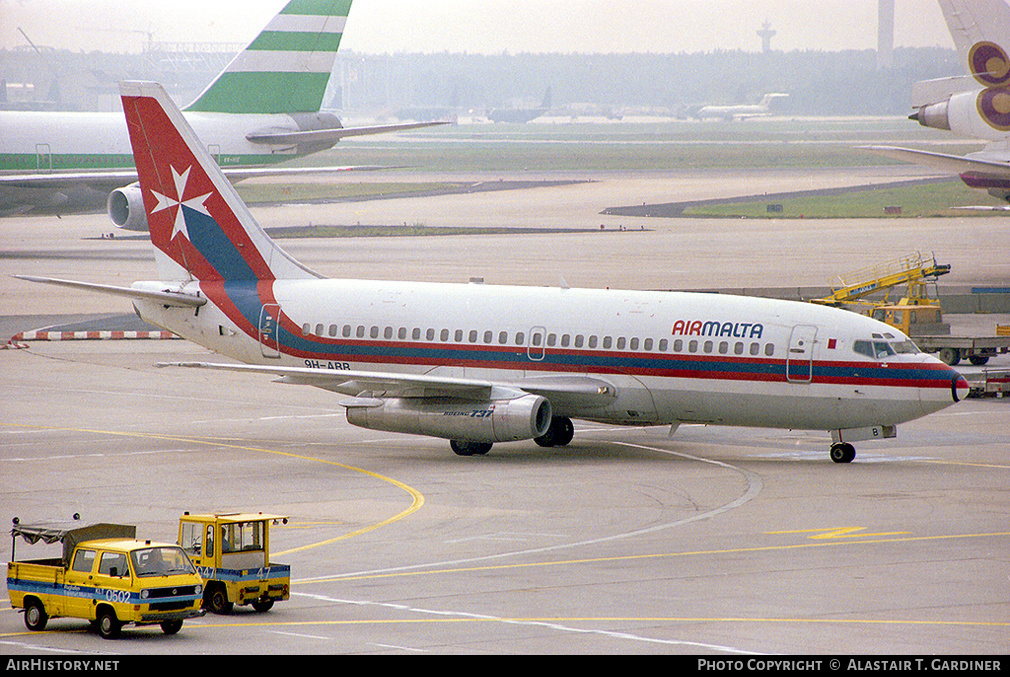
(973, 114)
(126, 208)
(521, 418)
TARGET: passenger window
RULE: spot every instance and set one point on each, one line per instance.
(755, 348)
(458, 336)
(692, 346)
(84, 561)
(769, 349)
(416, 334)
(473, 336)
(565, 340)
(678, 345)
(333, 330)
(647, 344)
(723, 347)
(708, 346)
(621, 342)
(430, 334)
(387, 333)
(579, 340)
(319, 330)
(444, 336)
(306, 329)
(374, 333)
(593, 341)
(488, 336)
(520, 338)
(361, 331)
(347, 331)
(738, 348)
(663, 343)
(607, 342)
(503, 337)
(552, 340)
(634, 344)
(113, 564)
(402, 333)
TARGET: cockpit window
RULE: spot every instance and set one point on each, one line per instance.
(879, 350)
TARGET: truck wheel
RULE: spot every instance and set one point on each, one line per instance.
(35, 615)
(978, 360)
(108, 625)
(950, 356)
(265, 605)
(171, 627)
(216, 599)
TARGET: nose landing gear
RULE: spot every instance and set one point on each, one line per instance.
(842, 452)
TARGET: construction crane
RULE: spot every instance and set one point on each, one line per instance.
(915, 313)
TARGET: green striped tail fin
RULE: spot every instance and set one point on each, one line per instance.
(286, 68)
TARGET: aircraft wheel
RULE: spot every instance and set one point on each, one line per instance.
(843, 452)
(559, 433)
(35, 615)
(461, 448)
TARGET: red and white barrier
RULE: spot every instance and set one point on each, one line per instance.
(18, 339)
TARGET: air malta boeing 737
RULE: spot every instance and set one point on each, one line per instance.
(478, 364)
(264, 108)
(976, 105)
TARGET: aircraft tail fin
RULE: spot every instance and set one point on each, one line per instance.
(287, 68)
(981, 33)
(199, 225)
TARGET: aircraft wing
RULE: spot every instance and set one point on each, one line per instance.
(110, 180)
(368, 387)
(283, 136)
(955, 164)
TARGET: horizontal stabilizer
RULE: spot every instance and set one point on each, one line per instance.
(166, 297)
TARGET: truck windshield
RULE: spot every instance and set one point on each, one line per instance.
(161, 561)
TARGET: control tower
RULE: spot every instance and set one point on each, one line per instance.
(766, 34)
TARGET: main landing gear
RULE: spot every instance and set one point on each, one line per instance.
(842, 452)
(559, 434)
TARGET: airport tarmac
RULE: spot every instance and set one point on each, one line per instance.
(714, 540)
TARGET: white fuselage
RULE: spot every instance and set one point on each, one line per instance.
(670, 356)
(70, 141)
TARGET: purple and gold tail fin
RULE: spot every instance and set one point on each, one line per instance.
(199, 225)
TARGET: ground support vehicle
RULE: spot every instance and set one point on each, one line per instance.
(106, 576)
(232, 553)
(989, 383)
(952, 349)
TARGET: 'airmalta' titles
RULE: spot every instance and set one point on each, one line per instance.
(714, 328)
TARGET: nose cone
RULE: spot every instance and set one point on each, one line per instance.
(958, 387)
(944, 387)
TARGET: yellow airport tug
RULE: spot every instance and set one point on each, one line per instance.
(232, 553)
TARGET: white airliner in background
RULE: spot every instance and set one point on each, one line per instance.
(478, 364)
(264, 108)
(741, 111)
(974, 105)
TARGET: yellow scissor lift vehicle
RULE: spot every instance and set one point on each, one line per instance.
(915, 314)
(232, 553)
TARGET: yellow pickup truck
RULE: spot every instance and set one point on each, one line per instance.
(106, 576)
(232, 553)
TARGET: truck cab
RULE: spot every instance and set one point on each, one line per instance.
(106, 576)
(232, 553)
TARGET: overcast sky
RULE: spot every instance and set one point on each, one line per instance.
(484, 26)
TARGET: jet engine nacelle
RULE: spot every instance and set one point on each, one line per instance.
(125, 207)
(975, 114)
(521, 418)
